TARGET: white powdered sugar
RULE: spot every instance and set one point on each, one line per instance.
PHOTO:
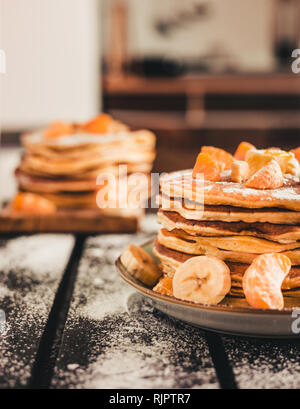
(264, 364)
(31, 268)
(78, 139)
(4, 292)
(287, 193)
(140, 366)
(39, 255)
(241, 190)
(117, 338)
(107, 296)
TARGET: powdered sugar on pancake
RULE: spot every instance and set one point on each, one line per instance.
(77, 138)
(285, 193)
(225, 192)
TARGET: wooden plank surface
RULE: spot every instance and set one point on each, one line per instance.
(113, 339)
(264, 364)
(31, 269)
(69, 221)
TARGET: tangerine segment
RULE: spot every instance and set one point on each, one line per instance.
(206, 165)
(268, 177)
(258, 158)
(164, 286)
(296, 152)
(242, 149)
(286, 160)
(57, 129)
(263, 279)
(223, 158)
(31, 203)
(100, 124)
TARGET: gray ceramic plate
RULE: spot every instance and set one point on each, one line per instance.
(232, 316)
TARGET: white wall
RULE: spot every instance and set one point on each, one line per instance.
(241, 28)
(52, 61)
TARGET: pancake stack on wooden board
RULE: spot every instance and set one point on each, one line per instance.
(63, 166)
(230, 221)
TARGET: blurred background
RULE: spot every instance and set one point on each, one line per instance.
(196, 72)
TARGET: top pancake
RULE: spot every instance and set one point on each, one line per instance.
(36, 141)
(80, 154)
(225, 192)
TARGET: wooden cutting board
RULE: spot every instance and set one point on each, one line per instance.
(70, 221)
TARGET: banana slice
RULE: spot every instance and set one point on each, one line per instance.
(239, 171)
(141, 265)
(203, 279)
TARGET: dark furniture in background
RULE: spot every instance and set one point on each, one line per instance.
(189, 111)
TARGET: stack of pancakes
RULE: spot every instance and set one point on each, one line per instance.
(230, 221)
(64, 169)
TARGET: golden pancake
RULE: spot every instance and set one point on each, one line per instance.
(199, 246)
(65, 168)
(182, 184)
(45, 185)
(39, 184)
(79, 153)
(172, 259)
(87, 154)
(113, 169)
(233, 243)
(274, 232)
(69, 167)
(90, 151)
(80, 140)
(35, 138)
(136, 196)
(195, 211)
(76, 200)
(73, 200)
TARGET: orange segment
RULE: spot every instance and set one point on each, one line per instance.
(57, 129)
(224, 158)
(268, 177)
(100, 124)
(31, 203)
(257, 158)
(296, 152)
(207, 166)
(263, 279)
(242, 149)
(164, 286)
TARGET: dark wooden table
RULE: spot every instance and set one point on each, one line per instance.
(72, 323)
